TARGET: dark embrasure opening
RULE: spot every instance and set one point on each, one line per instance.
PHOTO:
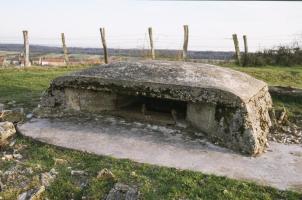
(153, 109)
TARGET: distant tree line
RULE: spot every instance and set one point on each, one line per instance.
(169, 53)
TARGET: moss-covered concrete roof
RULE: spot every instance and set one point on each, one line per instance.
(192, 77)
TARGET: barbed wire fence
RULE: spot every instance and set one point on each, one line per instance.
(166, 45)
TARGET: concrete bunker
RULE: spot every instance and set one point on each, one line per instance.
(229, 106)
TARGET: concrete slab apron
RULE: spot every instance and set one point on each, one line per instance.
(280, 167)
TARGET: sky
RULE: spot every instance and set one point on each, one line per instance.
(211, 23)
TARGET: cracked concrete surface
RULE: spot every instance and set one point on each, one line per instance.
(280, 167)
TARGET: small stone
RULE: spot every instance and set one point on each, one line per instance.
(22, 196)
(105, 174)
(33, 194)
(7, 130)
(29, 170)
(20, 147)
(37, 194)
(122, 191)
(17, 156)
(8, 157)
(78, 172)
(53, 171)
(12, 143)
(59, 161)
(29, 116)
(48, 177)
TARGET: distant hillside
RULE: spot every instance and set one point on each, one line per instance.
(38, 49)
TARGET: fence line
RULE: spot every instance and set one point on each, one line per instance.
(156, 41)
(161, 41)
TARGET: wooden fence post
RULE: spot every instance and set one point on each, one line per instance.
(245, 50)
(236, 44)
(151, 43)
(186, 40)
(26, 49)
(102, 30)
(245, 44)
(65, 51)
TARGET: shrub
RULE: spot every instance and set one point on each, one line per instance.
(283, 55)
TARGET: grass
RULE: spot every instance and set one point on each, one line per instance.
(274, 75)
(153, 182)
(278, 76)
(25, 86)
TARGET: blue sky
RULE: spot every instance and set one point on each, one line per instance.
(210, 23)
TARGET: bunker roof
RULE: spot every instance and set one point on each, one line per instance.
(195, 81)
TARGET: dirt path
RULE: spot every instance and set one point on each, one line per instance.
(280, 167)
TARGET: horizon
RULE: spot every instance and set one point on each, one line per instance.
(109, 48)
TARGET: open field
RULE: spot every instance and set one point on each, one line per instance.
(274, 75)
(25, 86)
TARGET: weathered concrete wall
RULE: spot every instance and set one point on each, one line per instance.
(231, 107)
(244, 128)
(72, 99)
(87, 100)
(202, 116)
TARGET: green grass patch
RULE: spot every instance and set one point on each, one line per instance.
(154, 182)
(278, 76)
(293, 106)
(274, 75)
(25, 86)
